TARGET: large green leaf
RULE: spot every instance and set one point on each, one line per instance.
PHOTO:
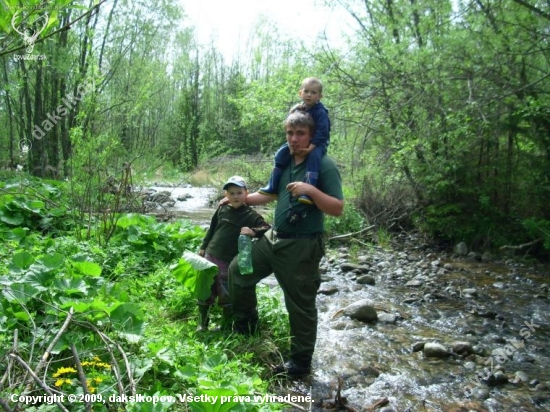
(20, 292)
(73, 287)
(21, 261)
(11, 218)
(128, 320)
(87, 268)
(196, 274)
(53, 261)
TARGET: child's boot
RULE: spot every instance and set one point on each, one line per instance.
(273, 184)
(311, 178)
(202, 320)
(227, 318)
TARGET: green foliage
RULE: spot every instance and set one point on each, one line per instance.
(155, 241)
(33, 204)
(538, 229)
(123, 310)
(351, 220)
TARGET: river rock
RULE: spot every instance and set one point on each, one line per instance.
(184, 197)
(366, 280)
(435, 350)
(469, 292)
(414, 283)
(487, 257)
(496, 379)
(327, 290)
(461, 249)
(387, 318)
(362, 310)
(522, 376)
(462, 348)
(160, 197)
(352, 267)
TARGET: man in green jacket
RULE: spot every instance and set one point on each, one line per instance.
(293, 249)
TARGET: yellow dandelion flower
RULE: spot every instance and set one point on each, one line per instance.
(62, 381)
(63, 370)
(98, 380)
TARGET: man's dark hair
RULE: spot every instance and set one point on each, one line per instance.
(299, 117)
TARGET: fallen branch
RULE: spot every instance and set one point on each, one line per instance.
(49, 349)
(352, 234)
(82, 378)
(10, 361)
(38, 380)
(522, 246)
(379, 403)
(5, 405)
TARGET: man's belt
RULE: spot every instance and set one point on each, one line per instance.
(288, 235)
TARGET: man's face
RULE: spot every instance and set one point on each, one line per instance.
(298, 137)
(236, 196)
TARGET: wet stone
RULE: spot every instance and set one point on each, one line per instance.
(366, 280)
(414, 283)
(362, 310)
(387, 318)
(418, 346)
(348, 267)
(327, 290)
(435, 350)
(462, 348)
(522, 376)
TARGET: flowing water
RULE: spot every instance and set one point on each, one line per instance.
(490, 306)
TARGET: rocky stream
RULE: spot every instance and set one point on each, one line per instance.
(409, 328)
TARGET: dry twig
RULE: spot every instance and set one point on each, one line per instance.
(353, 233)
(37, 380)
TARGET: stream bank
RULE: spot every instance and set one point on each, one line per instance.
(411, 328)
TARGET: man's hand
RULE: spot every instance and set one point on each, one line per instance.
(325, 203)
(299, 188)
(201, 252)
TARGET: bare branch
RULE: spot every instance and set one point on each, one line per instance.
(522, 246)
(38, 380)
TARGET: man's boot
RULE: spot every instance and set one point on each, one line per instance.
(247, 326)
(273, 183)
(202, 319)
(311, 178)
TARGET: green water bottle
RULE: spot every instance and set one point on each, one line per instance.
(245, 255)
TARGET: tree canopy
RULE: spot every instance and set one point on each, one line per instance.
(440, 108)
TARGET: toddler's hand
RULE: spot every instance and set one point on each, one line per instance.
(247, 231)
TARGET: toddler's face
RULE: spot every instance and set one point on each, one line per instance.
(310, 94)
(236, 195)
